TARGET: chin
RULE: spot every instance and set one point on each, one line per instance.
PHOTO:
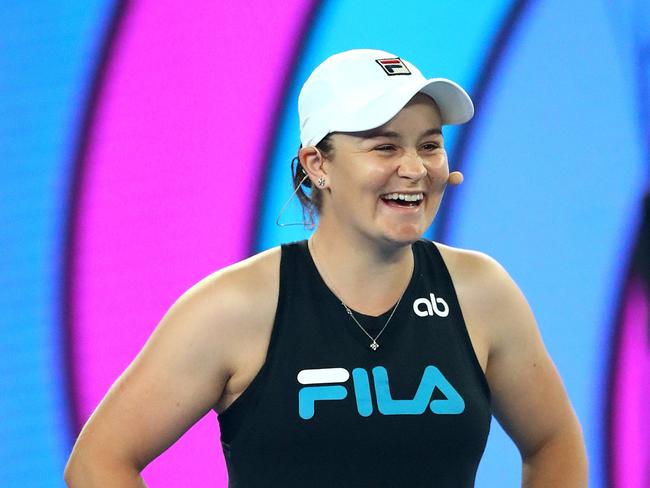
(404, 236)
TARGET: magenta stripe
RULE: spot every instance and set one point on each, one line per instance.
(169, 184)
(630, 420)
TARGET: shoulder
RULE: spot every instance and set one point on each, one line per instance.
(493, 295)
(228, 306)
(241, 287)
(469, 267)
(261, 268)
(218, 323)
(241, 302)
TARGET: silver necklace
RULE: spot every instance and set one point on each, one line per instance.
(374, 344)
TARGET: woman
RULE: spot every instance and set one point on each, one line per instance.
(365, 356)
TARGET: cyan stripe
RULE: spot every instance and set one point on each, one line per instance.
(47, 58)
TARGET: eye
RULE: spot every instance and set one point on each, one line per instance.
(385, 148)
(430, 146)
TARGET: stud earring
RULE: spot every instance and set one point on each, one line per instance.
(321, 182)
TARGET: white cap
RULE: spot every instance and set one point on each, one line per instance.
(362, 89)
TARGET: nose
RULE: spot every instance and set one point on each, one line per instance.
(412, 166)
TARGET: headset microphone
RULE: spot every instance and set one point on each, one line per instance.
(455, 178)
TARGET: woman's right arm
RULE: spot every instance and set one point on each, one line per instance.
(179, 375)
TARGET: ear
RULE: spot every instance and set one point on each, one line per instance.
(313, 163)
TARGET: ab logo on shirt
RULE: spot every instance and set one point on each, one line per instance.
(424, 307)
(431, 379)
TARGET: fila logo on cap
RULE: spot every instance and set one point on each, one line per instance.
(393, 66)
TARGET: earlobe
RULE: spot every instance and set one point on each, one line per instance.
(311, 161)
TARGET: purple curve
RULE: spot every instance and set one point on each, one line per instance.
(631, 394)
(169, 185)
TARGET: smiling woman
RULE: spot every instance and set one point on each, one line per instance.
(442, 336)
(388, 181)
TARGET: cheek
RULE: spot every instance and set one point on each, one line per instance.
(440, 160)
(378, 174)
(438, 165)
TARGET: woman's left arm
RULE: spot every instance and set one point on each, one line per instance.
(529, 399)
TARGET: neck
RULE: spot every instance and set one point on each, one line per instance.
(368, 277)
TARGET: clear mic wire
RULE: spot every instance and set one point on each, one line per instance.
(286, 204)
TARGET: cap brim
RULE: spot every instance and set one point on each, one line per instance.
(454, 103)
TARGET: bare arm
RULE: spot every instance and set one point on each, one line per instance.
(179, 375)
(529, 399)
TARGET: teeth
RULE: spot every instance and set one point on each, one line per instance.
(403, 196)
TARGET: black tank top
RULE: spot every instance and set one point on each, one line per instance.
(326, 410)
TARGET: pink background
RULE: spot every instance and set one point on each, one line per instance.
(632, 390)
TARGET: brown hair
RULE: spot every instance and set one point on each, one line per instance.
(310, 197)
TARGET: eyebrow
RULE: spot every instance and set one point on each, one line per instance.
(372, 134)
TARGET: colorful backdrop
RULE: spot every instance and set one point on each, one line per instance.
(145, 144)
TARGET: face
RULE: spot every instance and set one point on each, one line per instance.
(387, 183)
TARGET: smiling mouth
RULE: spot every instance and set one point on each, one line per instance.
(403, 200)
